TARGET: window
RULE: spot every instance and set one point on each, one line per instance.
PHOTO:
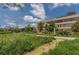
(65, 25)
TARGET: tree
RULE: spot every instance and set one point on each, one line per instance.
(28, 29)
(72, 12)
(16, 29)
(40, 26)
(75, 27)
(50, 26)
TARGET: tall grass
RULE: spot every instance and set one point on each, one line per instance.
(65, 48)
(18, 43)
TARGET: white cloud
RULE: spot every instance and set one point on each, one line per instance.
(33, 24)
(21, 26)
(13, 7)
(55, 5)
(38, 10)
(10, 22)
(28, 18)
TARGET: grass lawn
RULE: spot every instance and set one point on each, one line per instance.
(18, 43)
(65, 48)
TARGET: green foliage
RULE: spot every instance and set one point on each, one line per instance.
(50, 26)
(16, 46)
(40, 26)
(76, 34)
(5, 31)
(16, 29)
(9, 30)
(63, 33)
(28, 29)
(18, 43)
(75, 27)
(66, 48)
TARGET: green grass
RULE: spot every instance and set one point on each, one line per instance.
(65, 48)
(18, 43)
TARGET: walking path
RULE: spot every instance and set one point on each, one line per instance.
(57, 37)
(44, 48)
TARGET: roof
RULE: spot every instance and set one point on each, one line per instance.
(67, 17)
(62, 18)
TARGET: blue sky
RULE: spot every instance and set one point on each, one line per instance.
(30, 13)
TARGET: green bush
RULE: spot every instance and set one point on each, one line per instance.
(63, 33)
(28, 29)
(18, 43)
(16, 46)
(76, 34)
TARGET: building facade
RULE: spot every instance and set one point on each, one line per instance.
(66, 22)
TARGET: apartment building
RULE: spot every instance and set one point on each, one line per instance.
(66, 22)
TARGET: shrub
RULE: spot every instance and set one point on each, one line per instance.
(28, 29)
(16, 46)
(75, 27)
(20, 43)
(64, 33)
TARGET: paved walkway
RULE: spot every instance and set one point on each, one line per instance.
(44, 48)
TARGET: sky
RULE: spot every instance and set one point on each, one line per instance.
(30, 13)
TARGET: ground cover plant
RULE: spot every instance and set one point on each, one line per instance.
(65, 48)
(18, 43)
